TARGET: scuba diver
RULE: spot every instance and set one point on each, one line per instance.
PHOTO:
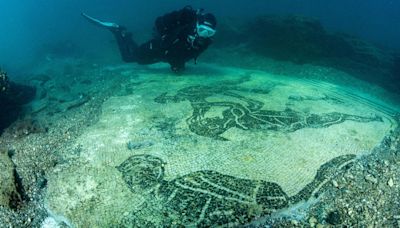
(179, 37)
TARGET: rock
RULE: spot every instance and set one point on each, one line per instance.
(294, 222)
(50, 222)
(386, 162)
(7, 182)
(39, 105)
(350, 211)
(371, 179)
(334, 218)
(4, 83)
(26, 127)
(41, 78)
(390, 182)
(304, 40)
(313, 221)
(12, 101)
(81, 100)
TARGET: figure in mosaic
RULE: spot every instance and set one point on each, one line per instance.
(204, 198)
(247, 114)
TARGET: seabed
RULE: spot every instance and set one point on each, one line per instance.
(217, 146)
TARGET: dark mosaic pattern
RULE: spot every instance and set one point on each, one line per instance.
(246, 113)
(209, 198)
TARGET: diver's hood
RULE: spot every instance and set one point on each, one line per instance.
(206, 24)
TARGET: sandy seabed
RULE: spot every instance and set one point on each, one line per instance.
(217, 146)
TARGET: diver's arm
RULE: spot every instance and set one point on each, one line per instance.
(201, 48)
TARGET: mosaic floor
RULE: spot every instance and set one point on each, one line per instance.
(223, 147)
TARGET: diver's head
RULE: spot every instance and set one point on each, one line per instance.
(206, 25)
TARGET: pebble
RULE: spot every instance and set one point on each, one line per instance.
(50, 222)
(313, 221)
(390, 182)
(386, 162)
(350, 211)
(371, 179)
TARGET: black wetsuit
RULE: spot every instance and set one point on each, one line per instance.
(175, 41)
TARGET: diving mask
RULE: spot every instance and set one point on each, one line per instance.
(204, 30)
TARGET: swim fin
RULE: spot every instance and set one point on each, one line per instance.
(104, 24)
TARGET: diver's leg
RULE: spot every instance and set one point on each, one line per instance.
(150, 52)
(128, 48)
(147, 53)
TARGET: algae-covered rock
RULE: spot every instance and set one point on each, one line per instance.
(303, 40)
(7, 182)
(12, 97)
(297, 39)
(4, 84)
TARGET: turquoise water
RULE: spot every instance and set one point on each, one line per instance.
(282, 121)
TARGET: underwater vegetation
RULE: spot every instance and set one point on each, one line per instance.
(4, 83)
(11, 191)
(304, 40)
(12, 97)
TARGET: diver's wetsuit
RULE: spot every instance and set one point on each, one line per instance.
(175, 41)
